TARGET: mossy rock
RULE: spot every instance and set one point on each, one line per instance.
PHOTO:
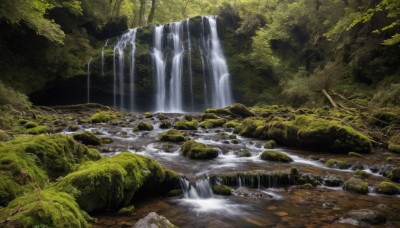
(394, 143)
(256, 178)
(222, 190)
(363, 174)
(240, 110)
(165, 124)
(196, 150)
(145, 126)
(87, 138)
(252, 127)
(186, 125)
(37, 130)
(73, 127)
(106, 140)
(148, 115)
(271, 155)
(231, 124)
(394, 175)
(332, 163)
(111, 183)
(387, 188)
(29, 125)
(101, 117)
(154, 220)
(356, 185)
(207, 116)
(212, 123)
(220, 112)
(243, 153)
(270, 144)
(126, 210)
(44, 208)
(172, 136)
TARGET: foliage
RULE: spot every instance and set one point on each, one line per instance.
(9, 96)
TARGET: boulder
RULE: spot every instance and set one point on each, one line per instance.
(271, 155)
(195, 150)
(368, 216)
(153, 220)
(356, 185)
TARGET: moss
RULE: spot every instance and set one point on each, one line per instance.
(354, 154)
(222, 190)
(148, 115)
(270, 144)
(165, 124)
(87, 138)
(307, 186)
(207, 116)
(394, 175)
(172, 136)
(126, 210)
(29, 125)
(332, 163)
(212, 123)
(387, 188)
(186, 124)
(106, 140)
(111, 183)
(252, 127)
(356, 185)
(362, 174)
(232, 136)
(195, 150)
(101, 117)
(44, 208)
(240, 110)
(255, 179)
(394, 143)
(37, 130)
(271, 155)
(243, 153)
(389, 159)
(219, 112)
(73, 127)
(4, 136)
(145, 126)
(231, 124)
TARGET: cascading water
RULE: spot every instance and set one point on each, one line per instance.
(189, 45)
(159, 67)
(200, 190)
(88, 80)
(175, 89)
(102, 57)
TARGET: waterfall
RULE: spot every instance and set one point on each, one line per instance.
(102, 57)
(175, 88)
(129, 37)
(159, 67)
(221, 91)
(190, 63)
(200, 190)
(88, 80)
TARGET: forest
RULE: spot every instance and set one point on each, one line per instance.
(111, 109)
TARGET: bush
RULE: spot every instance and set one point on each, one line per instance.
(12, 97)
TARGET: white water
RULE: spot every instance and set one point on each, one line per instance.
(88, 80)
(175, 89)
(190, 63)
(102, 57)
(159, 67)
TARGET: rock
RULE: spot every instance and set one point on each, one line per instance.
(368, 216)
(394, 143)
(207, 116)
(172, 136)
(4, 136)
(270, 144)
(332, 163)
(222, 190)
(126, 210)
(29, 125)
(145, 126)
(363, 174)
(195, 150)
(165, 124)
(153, 220)
(394, 175)
(240, 110)
(387, 188)
(212, 123)
(243, 153)
(101, 117)
(332, 181)
(185, 124)
(87, 138)
(271, 155)
(73, 127)
(148, 115)
(356, 185)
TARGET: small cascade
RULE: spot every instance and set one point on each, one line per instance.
(190, 63)
(159, 67)
(102, 57)
(88, 80)
(176, 68)
(200, 190)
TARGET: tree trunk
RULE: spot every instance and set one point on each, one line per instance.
(142, 12)
(152, 10)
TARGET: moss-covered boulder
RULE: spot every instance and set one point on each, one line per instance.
(87, 138)
(185, 124)
(207, 116)
(232, 124)
(222, 190)
(394, 143)
(212, 123)
(270, 144)
(165, 124)
(148, 115)
(394, 175)
(145, 126)
(44, 208)
(240, 110)
(37, 130)
(271, 155)
(31, 124)
(154, 220)
(356, 185)
(111, 183)
(333, 163)
(196, 150)
(387, 188)
(101, 117)
(172, 135)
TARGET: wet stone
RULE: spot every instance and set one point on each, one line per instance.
(368, 216)
(332, 181)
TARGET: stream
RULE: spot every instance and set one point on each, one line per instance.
(251, 204)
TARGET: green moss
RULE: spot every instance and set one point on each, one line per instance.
(307, 186)
(354, 154)
(87, 138)
(240, 110)
(207, 116)
(29, 125)
(219, 112)
(243, 153)
(148, 115)
(271, 155)
(252, 127)
(111, 183)
(165, 124)
(394, 175)
(389, 159)
(222, 190)
(186, 124)
(44, 208)
(101, 117)
(270, 144)
(172, 136)
(212, 123)
(356, 185)
(232, 136)
(195, 150)
(106, 140)
(332, 163)
(126, 210)
(231, 124)
(73, 127)
(145, 126)
(37, 130)
(387, 188)
(4, 136)
(362, 174)
(394, 143)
